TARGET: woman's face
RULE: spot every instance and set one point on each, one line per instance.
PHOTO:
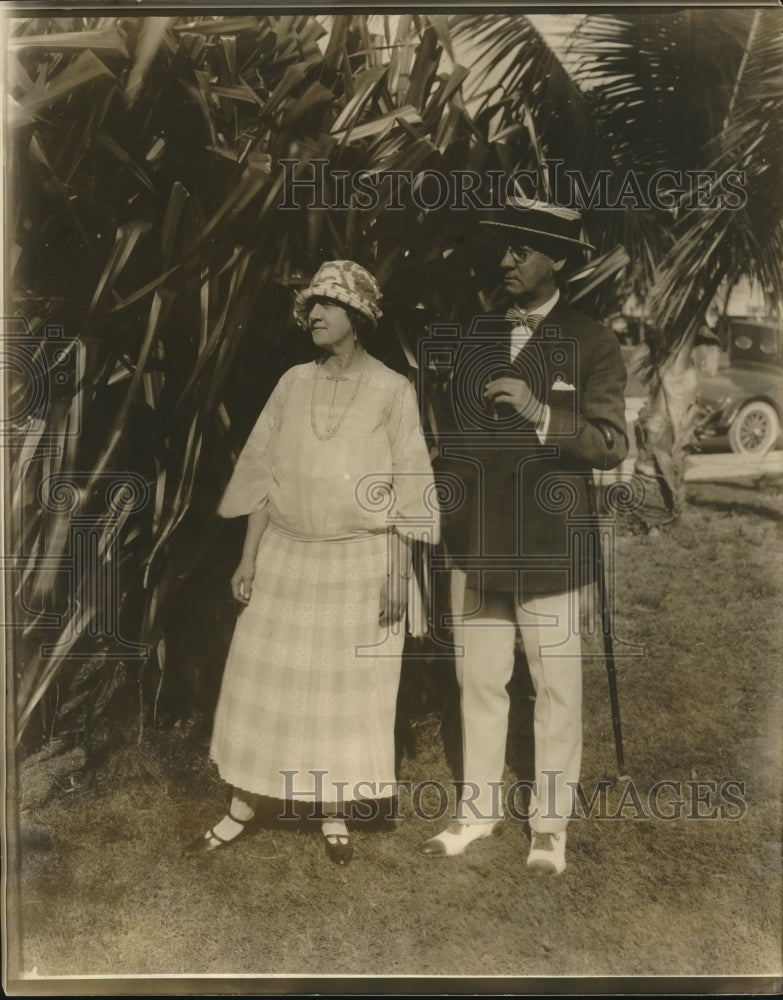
(330, 326)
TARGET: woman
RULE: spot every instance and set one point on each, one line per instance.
(335, 479)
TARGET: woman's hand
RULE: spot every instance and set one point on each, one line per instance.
(242, 580)
(394, 592)
(394, 599)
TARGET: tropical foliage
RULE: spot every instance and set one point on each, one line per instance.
(691, 94)
(147, 180)
(153, 268)
(683, 92)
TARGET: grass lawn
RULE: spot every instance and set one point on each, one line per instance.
(105, 888)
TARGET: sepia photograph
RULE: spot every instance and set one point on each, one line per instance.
(392, 466)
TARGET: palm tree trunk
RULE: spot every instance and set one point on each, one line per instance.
(663, 430)
(665, 423)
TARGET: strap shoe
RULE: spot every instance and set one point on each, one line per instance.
(212, 842)
(337, 843)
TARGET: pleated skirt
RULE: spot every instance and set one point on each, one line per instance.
(308, 699)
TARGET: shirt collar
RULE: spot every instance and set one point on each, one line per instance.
(546, 307)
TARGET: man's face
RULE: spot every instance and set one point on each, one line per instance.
(528, 274)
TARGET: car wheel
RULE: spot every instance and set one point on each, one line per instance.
(754, 430)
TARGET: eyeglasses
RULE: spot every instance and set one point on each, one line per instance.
(519, 254)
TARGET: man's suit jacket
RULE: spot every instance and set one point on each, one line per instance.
(521, 504)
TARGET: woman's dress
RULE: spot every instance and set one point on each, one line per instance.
(308, 699)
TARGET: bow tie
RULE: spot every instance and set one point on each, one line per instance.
(518, 317)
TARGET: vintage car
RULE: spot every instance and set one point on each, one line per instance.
(744, 399)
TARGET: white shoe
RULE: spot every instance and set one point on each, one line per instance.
(547, 853)
(457, 836)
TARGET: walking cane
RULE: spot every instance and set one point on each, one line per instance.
(606, 628)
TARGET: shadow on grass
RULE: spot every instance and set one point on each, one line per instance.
(749, 497)
(733, 507)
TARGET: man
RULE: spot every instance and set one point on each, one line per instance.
(538, 400)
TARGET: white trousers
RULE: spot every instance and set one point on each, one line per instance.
(485, 635)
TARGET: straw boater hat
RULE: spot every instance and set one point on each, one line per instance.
(347, 283)
(558, 227)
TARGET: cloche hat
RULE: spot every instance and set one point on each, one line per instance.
(346, 282)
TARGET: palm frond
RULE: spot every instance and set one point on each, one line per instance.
(659, 84)
(720, 243)
(166, 166)
(547, 108)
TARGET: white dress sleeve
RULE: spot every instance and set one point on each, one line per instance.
(248, 488)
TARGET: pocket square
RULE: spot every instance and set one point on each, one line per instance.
(559, 384)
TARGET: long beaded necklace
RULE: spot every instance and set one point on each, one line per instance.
(332, 429)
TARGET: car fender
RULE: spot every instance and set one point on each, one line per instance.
(734, 408)
(732, 412)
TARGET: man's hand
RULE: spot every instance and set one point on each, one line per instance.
(242, 581)
(516, 393)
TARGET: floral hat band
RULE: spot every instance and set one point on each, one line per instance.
(347, 283)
